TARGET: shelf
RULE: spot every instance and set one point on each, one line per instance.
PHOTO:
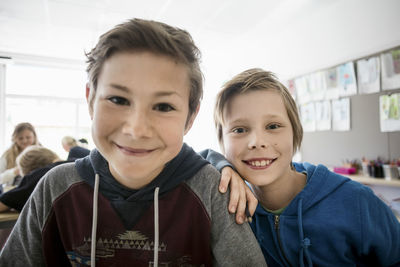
(373, 181)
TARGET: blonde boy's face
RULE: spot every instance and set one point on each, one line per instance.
(258, 137)
(139, 113)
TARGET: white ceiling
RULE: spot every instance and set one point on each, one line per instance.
(289, 37)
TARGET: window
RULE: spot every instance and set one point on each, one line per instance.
(52, 98)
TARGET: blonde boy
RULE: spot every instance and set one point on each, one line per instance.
(142, 198)
(306, 215)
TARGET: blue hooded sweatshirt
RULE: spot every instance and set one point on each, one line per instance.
(333, 221)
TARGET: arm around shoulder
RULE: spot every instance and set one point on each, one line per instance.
(232, 244)
(216, 159)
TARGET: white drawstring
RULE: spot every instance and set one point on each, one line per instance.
(94, 221)
(156, 227)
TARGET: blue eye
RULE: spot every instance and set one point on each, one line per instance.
(239, 130)
(119, 100)
(273, 126)
(163, 107)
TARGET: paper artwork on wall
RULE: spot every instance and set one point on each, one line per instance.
(291, 86)
(347, 79)
(323, 115)
(307, 113)
(302, 90)
(391, 69)
(389, 106)
(317, 85)
(332, 83)
(341, 114)
(368, 75)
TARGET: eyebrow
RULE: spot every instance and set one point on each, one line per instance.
(243, 120)
(119, 87)
(157, 94)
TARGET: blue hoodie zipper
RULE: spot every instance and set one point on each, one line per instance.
(276, 224)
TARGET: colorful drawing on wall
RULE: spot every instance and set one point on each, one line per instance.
(347, 79)
(341, 114)
(389, 111)
(323, 115)
(390, 62)
(368, 75)
(332, 84)
(307, 113)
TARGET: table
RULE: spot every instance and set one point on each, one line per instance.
(8, 219)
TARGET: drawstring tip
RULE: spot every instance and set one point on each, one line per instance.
(305, 243)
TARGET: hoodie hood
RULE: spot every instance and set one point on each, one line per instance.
(320, 184)
(125, 200)
(131, 204)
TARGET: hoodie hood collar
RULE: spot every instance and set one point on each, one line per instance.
(320, 184)
(180, 168)
(126, 200)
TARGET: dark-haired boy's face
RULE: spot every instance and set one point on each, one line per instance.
(139, 114)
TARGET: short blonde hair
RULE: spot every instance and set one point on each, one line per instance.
(35, 157)
(69, 141)
(255, 80)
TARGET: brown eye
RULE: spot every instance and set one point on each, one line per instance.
(119, 100)
(164, 107)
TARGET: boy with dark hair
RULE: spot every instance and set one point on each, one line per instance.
(143, 197)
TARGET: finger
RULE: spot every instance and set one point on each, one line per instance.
(251, 201)
(234, 194)
(241, 207)
(225, 179)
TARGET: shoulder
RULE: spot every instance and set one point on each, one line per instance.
(205, 185)
(205, 179)
(58, 179)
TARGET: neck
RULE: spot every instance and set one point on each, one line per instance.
(280, 193)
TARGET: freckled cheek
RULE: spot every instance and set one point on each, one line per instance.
(103, 123)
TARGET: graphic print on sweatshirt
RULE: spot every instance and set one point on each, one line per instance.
(184, 231)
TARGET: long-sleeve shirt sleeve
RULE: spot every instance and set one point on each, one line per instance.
(216, 159)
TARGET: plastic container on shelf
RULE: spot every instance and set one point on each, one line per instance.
(390, 172)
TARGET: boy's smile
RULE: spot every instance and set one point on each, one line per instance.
(258, 163)
(139, 114)
(258, 137)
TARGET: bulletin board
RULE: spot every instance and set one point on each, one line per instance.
(351, 110)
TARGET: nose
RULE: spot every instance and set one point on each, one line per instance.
(257, 140)
(138, 124)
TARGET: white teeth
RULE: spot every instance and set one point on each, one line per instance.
(260, 163)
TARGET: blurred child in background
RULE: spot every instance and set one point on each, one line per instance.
(34, 162)
(23, 136)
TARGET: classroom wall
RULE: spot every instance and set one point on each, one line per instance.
(363, 140)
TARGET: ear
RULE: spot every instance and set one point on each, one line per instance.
(191, 120)
(90, 105)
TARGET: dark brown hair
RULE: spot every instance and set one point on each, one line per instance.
(156, 37)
